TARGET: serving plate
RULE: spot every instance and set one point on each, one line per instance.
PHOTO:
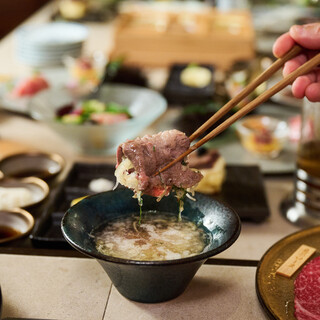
(275, 292)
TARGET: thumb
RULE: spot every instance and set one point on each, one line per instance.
(307, 35)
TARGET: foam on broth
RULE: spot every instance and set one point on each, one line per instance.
(160, 236)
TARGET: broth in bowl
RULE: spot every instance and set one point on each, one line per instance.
(159, 236)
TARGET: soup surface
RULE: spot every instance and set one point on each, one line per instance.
(159, 236)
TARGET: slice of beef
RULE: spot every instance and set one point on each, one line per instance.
(307, 292)
(151, 153)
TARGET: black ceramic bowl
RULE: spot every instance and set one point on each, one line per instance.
(149, 281)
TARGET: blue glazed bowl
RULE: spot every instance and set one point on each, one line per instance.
(149, 281)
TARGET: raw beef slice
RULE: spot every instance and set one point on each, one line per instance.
(307, 291)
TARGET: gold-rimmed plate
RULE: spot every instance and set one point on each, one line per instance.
(276, 292)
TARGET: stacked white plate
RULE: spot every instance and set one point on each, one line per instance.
(46, 44)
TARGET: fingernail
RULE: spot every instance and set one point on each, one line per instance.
(296, 30)
(307, 29)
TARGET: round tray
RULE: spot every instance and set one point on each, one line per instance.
(276, 292)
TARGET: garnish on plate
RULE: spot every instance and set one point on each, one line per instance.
(94, 112)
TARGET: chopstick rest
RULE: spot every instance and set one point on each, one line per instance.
(296, 260)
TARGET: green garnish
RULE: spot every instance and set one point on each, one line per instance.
(201, 108)
(140, 202)
(116, 108)
(88, 108)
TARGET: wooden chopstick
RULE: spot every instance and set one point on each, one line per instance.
(295, 50)
(305, 68)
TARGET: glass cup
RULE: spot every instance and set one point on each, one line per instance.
(303, 208)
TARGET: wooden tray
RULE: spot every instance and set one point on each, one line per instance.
(159, 39)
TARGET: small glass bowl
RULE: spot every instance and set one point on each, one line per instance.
(263, 136)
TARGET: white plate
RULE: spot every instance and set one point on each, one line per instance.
(52, 35)
(56, 78)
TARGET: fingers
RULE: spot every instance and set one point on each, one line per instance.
(307, 35)
(313, 92)
(293, 64)
(300, 85)
(282, 45)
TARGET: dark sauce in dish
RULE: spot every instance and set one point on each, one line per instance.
(8, 232)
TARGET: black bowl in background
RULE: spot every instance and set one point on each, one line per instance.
(149, 281)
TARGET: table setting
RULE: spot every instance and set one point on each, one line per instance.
(113, 136)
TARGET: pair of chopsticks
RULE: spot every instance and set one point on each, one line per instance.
(305, 68)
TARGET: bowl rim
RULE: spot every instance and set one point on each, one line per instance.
(259, 117)
(21, 213)
(163, 105)
(198, 257)
(41, 184)
(57, 158)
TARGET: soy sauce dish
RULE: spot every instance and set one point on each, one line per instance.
(149, 281)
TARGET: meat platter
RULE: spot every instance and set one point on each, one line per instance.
(275, 292)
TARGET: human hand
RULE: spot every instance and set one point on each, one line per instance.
(307, 36)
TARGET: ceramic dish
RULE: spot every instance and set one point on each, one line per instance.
(143, 104)
(275, 292)
(37, 191)
(53, 36)
(37, 164)
(14, 224)
(263, 136)
(47, 44)
(149, 281)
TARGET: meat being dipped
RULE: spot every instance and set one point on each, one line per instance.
(140, 159)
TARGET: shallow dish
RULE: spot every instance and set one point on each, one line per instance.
(275, 292)
(149, 281)
(37, 188)
(14, 224)
(263, 136)
(144, 105)
(37, 164)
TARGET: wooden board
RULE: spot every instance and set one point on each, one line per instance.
(159, 39)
